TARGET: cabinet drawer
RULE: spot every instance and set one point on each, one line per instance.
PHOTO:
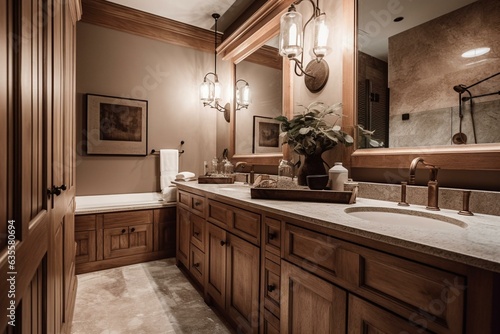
(415, 291)
(85, 223)
(271, 323)
(198, 231)
(243, 223)
(120, 219)
(271, 288)
(197, 264)
(192, 202)
(323, 255)
(272, 235)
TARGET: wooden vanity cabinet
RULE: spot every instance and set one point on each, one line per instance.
(271, 273)
(233, 264)
(191, 234)
(113, 239)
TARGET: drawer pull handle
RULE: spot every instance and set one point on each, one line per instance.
(197, 203)
(196, 265)
(271, 287)
(197, 233)
(222, 242)
(124, 230)
(133, 229)
(271, 235)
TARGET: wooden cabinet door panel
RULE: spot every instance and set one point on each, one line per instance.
(271, 323)
(215, 279)
(246, 224)
(272, 235)
(242, 285)
(310, 304)
(123, 241)
(85, 246)
(366, 318)
(183, 236)
(197, 234)
(271, 286)
(322, 255)
(197, 267)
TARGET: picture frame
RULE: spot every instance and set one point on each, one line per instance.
(116, 125)
(266, 135)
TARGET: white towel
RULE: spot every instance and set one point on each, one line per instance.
(169, 167)
(185, 176)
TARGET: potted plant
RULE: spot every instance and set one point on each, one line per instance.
(311, 133)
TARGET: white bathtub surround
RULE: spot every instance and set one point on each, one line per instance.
(125, 202)
(169, 167)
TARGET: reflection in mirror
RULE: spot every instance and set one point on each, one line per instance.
(412, 73)
(254, 130)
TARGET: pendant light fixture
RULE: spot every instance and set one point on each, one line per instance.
(242, 94)
(210, 91)
(291, 44)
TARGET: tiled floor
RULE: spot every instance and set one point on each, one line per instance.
(152, 297)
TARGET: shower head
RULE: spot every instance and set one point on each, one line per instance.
(460, 88)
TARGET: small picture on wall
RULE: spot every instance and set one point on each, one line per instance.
(266, 135)
(116, 126)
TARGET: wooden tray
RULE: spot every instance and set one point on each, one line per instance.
(305, 195)
(215, 179)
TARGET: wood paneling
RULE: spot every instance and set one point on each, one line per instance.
(110, 15)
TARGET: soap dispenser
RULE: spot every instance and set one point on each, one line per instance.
(337, 177)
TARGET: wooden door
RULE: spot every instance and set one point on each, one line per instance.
(24, 207)
(215, 276)
(242, 284)
(310, 304)
(37, 98)
(183, 233)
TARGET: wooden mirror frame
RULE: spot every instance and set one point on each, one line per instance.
(258, 29)
(452, 157)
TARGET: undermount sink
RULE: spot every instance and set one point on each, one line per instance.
(404, 217)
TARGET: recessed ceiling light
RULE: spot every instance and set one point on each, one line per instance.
(399, 19)
(475, 52)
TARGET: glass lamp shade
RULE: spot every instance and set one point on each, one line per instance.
(321, 32)
(243, 96)
(217, 91)
(290, 41)
(207, 91)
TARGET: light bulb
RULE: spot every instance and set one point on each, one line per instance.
(321, 32)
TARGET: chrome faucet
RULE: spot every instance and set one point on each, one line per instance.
(432, 185)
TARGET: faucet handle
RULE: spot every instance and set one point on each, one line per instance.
(465, 204)
(403, 202)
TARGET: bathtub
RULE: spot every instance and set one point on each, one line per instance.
(124, 202)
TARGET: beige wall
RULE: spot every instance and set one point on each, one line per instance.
(124, 65)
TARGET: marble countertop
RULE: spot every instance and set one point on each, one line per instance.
(475, 243)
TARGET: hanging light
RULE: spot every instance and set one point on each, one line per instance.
(210, 90)
(242, 95)
(291, 44)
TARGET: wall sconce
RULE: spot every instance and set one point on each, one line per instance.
(291, 45)
(210, 91)
(242, 95)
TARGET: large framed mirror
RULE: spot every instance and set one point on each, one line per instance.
(422, 93)
(253, 51)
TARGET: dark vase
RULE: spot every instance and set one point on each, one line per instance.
(312, 165)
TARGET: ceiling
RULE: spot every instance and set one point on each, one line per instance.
(375, 27)
(197, 13)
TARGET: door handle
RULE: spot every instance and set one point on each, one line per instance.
(56, 190)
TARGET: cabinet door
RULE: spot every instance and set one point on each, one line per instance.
(215, 278)
(310, 304)
(85, 246)
(183, 235)
(366, 318)
(242, 294)
(124, 241)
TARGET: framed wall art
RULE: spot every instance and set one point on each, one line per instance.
(116, 125)
(266, 135)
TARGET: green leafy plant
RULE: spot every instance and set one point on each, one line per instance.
(311, 133)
